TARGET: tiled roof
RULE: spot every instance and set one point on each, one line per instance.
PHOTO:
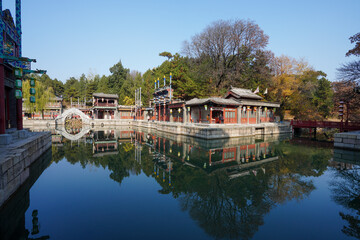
(216, 100)
(56, 98)
(244, 93)
(246, 102)
(104, 95)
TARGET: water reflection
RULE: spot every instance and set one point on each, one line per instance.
(345, 189)
(227, 186)
(12, 213)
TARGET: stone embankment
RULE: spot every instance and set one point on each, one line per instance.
(216, 131)
(347, 140)
(204, 131)
(16, 156)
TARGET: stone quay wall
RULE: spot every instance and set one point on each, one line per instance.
(205, 131)
(347, 140)
(216, 131)
(15, 159)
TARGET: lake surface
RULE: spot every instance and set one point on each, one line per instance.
(136, 184)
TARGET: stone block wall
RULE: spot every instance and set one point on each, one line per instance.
(16, 159)
(211, 131)
(347, 140)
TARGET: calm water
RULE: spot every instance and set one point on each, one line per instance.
(125, 184)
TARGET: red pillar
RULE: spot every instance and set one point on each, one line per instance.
(164, 112)
(210, 115)
(2, 98)
(19, 119)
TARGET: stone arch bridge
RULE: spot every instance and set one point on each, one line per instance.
(60, 120)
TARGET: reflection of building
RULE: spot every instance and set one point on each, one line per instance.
(105, 105)
(104, 143)
(237, 158)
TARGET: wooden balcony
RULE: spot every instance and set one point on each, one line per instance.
(104, 104)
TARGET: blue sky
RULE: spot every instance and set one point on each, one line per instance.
(69, 38)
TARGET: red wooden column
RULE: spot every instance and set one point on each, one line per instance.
(210, 115)
(190, 114)
(247, 114)
(223, 115)
(2, 97)
(164, 112)
(19, 120)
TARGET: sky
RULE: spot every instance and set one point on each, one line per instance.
(74, 37)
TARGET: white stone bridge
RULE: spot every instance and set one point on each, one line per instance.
(60, 120)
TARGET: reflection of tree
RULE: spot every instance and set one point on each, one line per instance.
(346, 192)
(235, 208)
(224, 208)
(120, 165)
(228, 209)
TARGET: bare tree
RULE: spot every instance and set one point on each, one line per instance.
(225, 44)
(356, 50)
(350, 72)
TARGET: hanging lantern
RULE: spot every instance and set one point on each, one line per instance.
(188, 108)
(18, 72)
(244, 109)
(248, 108)
(32, 82)
(170, 150)
(170, 110)
(18, 94)
(179, 110)
(178, 154)
(18, 83)
(255, 109)
(265, 109)
(32, 91)
(205, 107)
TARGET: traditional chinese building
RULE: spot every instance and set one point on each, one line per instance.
(13, 68)
(10, 48)
(162, 99)
(126, 112)
(239, 105)
(212, 110)
(253, 108)
(52, 109)
(105, 106)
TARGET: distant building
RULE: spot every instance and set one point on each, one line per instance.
(105, 106)
(126, 112)
(52, 109)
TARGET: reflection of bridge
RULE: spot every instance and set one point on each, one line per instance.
(69, 136)
(343, 126)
